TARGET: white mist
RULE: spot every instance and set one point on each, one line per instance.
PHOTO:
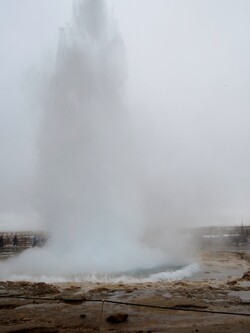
(91, 195)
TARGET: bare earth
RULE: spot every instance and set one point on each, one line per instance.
(218, 287)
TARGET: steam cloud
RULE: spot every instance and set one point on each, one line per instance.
(92, 196)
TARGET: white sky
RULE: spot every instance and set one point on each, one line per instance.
(188, 78)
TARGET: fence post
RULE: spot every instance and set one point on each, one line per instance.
(100, 323)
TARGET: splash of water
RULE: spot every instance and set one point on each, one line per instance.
(89, 196)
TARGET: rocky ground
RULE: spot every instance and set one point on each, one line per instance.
(222, 285)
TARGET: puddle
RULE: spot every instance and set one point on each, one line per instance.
(167, 295)
(243, 295)
(244, 284)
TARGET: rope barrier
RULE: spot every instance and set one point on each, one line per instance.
(83, 300)
(173, 308)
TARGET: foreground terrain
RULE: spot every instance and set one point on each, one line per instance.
(223, 285)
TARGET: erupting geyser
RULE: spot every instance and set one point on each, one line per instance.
(90, 197)
(89, 193)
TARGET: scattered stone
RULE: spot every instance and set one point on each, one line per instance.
(246, 276)
(117, 318)
(72, 301)
(28, 288)
(83, 315)
(8, 306)
(72, 288)
(35, 330)
(100, 290)
(232, 283)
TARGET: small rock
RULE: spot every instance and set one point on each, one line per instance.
(246, 276)
(83, 315)
(117, 318)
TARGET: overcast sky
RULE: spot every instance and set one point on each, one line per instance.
(188, 86)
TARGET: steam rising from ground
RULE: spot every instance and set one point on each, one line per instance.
(92, 194)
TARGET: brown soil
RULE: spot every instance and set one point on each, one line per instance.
(220, 286)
